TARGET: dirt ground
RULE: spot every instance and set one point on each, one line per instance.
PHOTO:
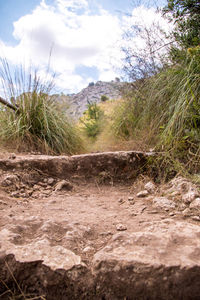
(39, 211)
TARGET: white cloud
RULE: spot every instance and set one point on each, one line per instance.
(76, 36)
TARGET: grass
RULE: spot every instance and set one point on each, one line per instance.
(166, 107)
(38, 123)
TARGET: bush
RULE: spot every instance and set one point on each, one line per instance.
(91, 121)
(38, 123)
(168, 104)
(104, 98)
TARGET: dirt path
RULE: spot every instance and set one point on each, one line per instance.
(100, 230)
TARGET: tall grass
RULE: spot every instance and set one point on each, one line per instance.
(167, 106)
(37, 123)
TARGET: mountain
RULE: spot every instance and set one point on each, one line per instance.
(76, 104)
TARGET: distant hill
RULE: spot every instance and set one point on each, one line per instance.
(76, 104)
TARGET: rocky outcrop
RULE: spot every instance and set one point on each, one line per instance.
(160, 262)
(77, 103)
(121, 165)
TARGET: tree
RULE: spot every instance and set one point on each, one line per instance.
(185, 14)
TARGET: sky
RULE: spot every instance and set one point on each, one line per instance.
(80, 38)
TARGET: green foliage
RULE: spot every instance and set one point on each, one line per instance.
(104, 98)
(168, 104)
(38, 123)
(185, 14)
(92, 120)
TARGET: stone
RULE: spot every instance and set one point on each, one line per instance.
(3, 203)
(12, 156)
(121, 227)
(163, 202)
(63, 185)
(156, 263)
(15, 194)
(9, 180)
(189, 197)
(56, 257)
(142, 194)
(121, 200)
(50, 181)
(195, 203)
(186, 212)
(130, 198)
(150, 187)
(88, 249)
(196, 218)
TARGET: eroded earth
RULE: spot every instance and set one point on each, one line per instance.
(95, 227)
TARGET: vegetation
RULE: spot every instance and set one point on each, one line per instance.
(92, 120)
(36, 122)
(165, 104)
(104, 98)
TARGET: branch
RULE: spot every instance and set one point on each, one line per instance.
(4, 102)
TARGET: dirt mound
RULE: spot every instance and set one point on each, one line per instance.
(84, 227)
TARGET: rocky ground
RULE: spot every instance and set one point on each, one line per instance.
(94, 227)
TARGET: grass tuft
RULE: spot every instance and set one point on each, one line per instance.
(37, 123)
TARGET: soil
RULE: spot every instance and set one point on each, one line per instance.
(80, 215)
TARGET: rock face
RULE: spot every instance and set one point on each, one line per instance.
(77, 103)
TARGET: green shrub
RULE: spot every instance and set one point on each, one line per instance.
(92, 120)
(38, 123)
(169, 104)
(104, 98)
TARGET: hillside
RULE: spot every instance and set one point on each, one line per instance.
(77, 103)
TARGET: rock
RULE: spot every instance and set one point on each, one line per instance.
(163, 202)
(50, 181)
(196, 218)
(3, 203)
(171, 214)
(9, 180)
(186, 212)
(121, 227)
(12, 156)
(150, 187)
(195, 203)
(142, 194)
(130, 198)
(63, 185)
(56, 257)
(88, 249)
(189, 197)
(180, 184)
(161, 262)
(121, 200)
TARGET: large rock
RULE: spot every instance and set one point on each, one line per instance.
(162, 262)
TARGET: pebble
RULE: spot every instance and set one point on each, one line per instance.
(186, 212)
(121, 227)
(196, 218)
(121, 200)
(142, 194)
(171, 214)
(150, 187)
(88, 249)
(50, 181)
(130, 198)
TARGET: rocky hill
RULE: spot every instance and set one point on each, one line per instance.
(76, 104)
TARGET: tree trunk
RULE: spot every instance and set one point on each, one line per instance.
(4, 102)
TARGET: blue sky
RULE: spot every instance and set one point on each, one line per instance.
(84, 36)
